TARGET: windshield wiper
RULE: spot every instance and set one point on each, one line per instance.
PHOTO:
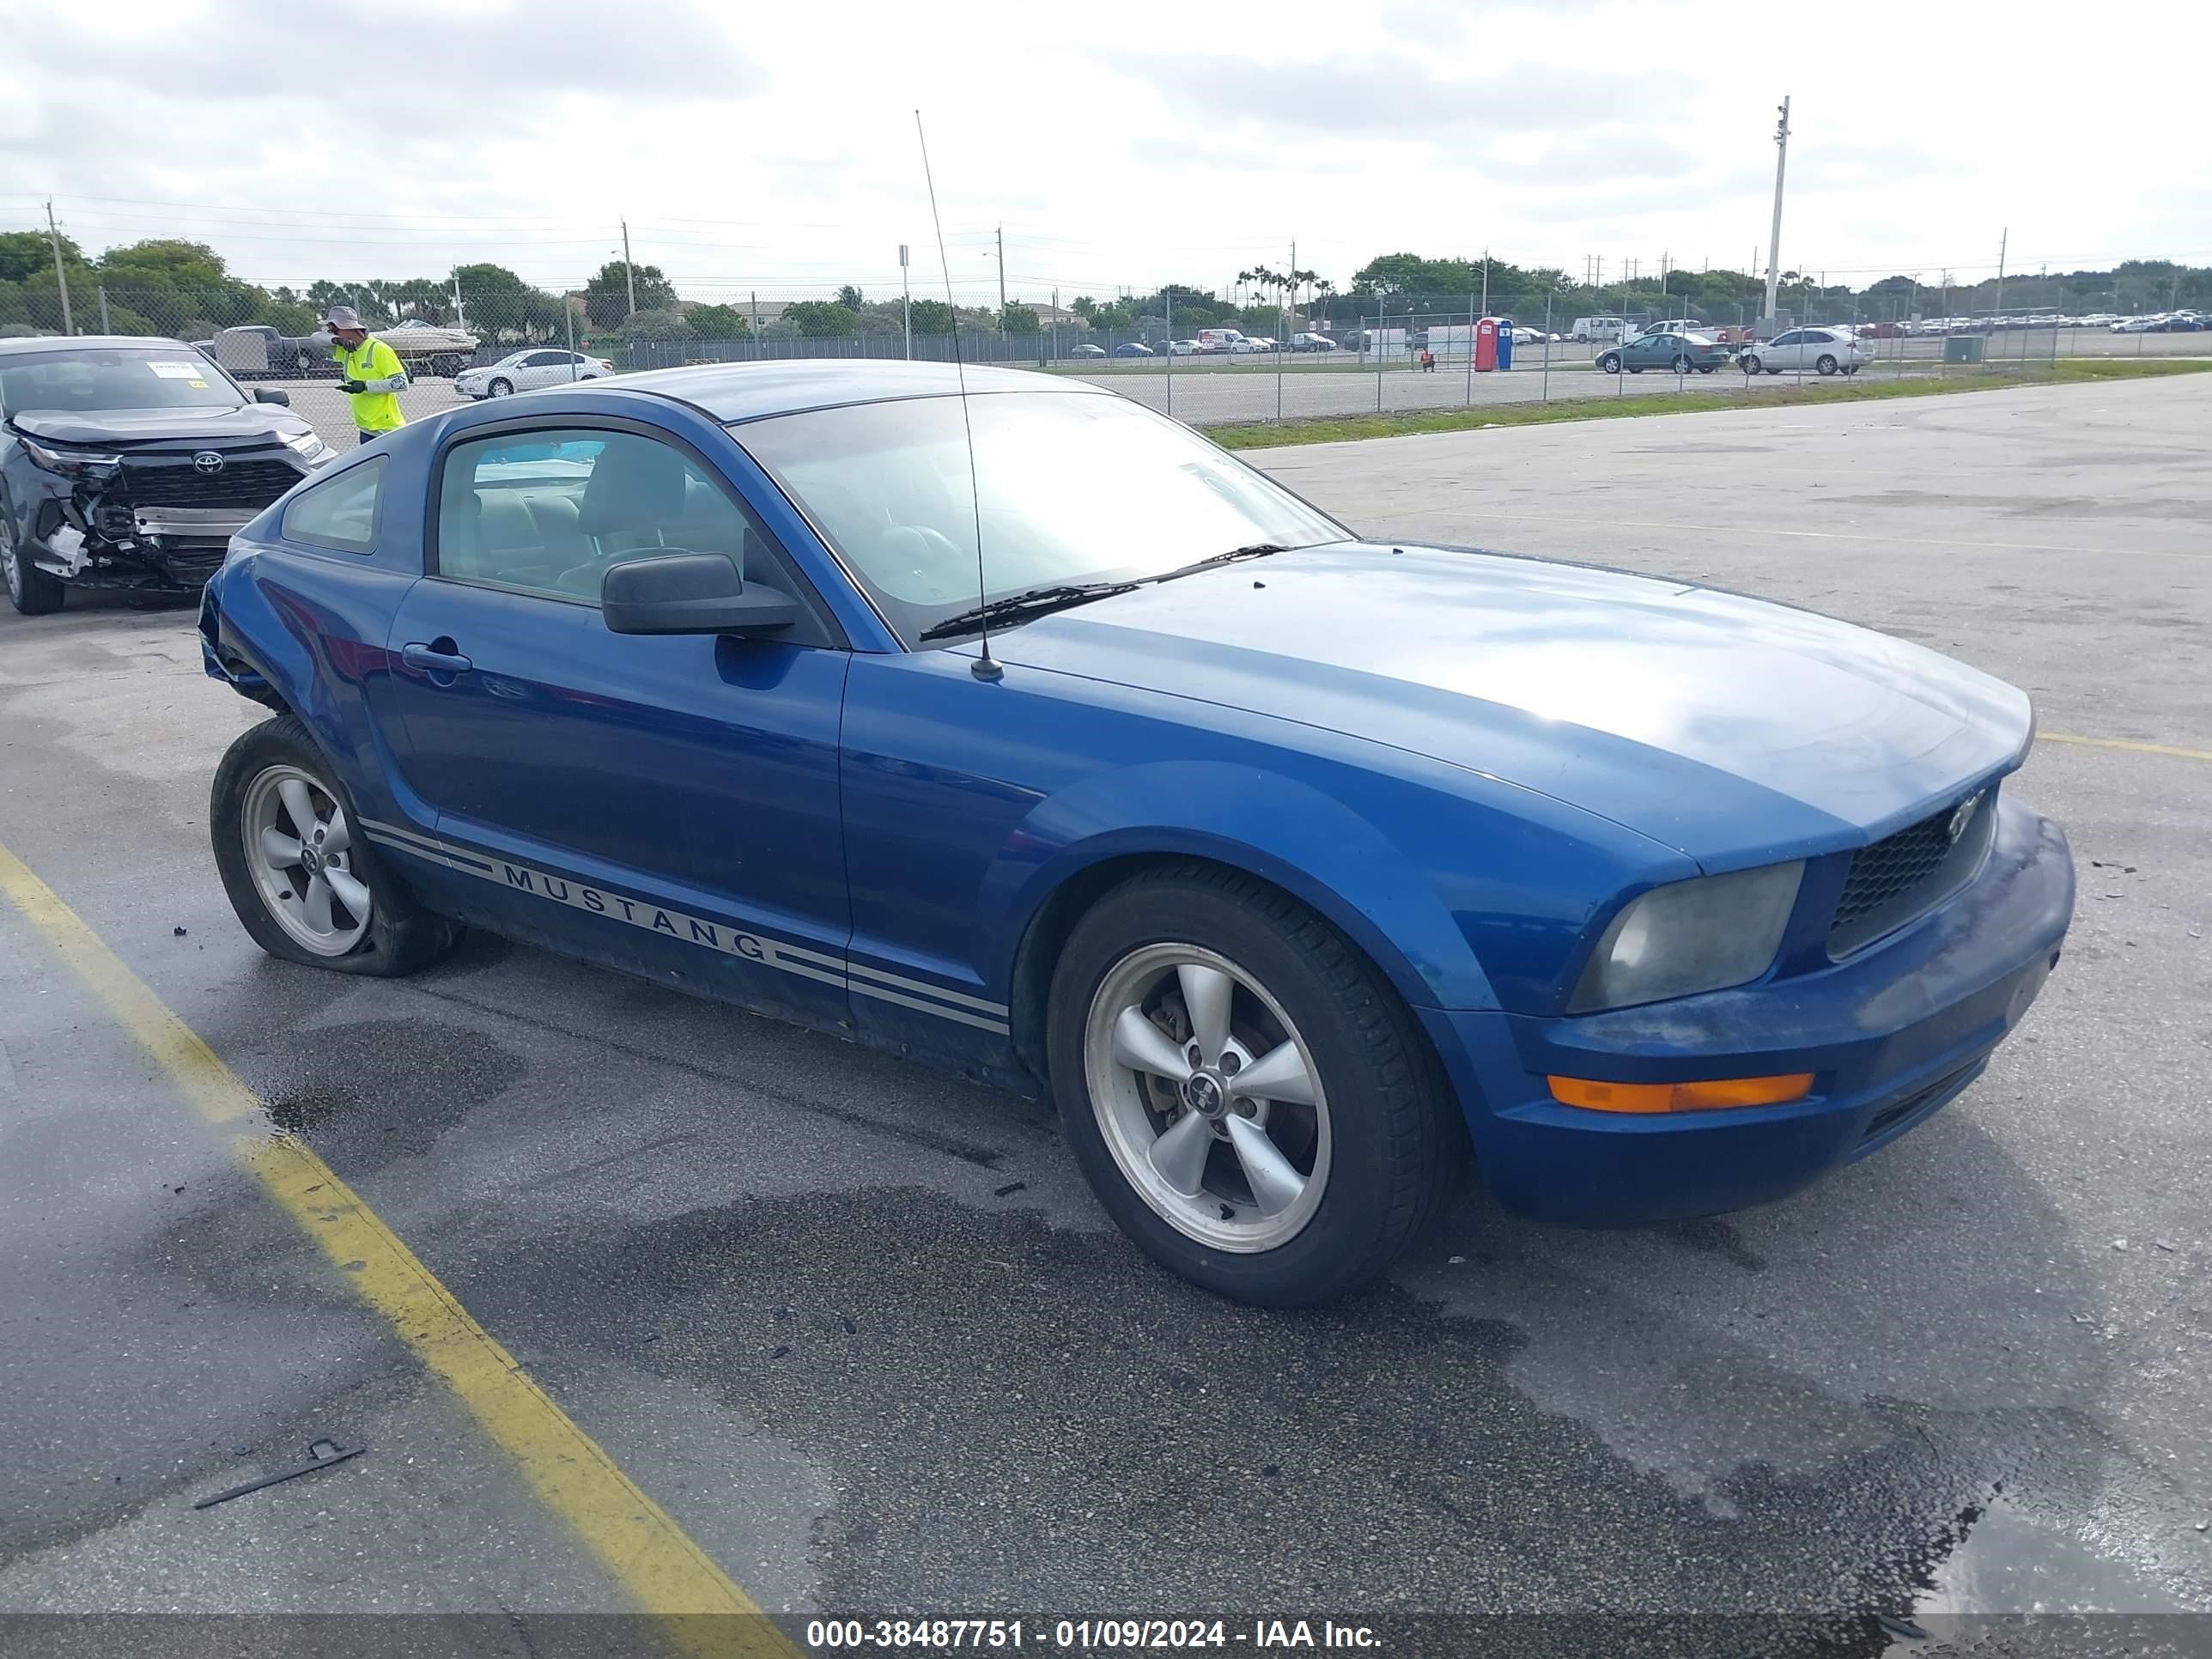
(1020, 607)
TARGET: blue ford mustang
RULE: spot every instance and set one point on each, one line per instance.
(1293, 867)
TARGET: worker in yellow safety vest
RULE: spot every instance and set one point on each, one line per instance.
(370, 373)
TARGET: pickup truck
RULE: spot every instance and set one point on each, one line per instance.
(254, 351)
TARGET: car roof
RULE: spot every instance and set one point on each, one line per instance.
(84, 343)
(746, 392)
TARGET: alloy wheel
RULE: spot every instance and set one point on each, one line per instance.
(299, 846)
(1208, 1097)
(8, 559)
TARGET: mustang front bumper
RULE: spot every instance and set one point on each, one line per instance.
(1890, 1035)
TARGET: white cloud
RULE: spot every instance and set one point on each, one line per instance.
(772, 147)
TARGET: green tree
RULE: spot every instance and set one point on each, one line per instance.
(1019, 319)
(849, 297)
(606, 296)
(24, 255)
(932, 317)
(497, 302)
(171, 282)
(821, 319)
(719, 322)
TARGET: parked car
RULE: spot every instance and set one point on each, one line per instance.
(1677, 325)
(1603, 330)
(523, 371)
(1825, 351)
(1087, 350)
(1679, 352)
(427, 349)
(1133, 348)
(1311, 342)
(2135, 325)
(126, 462)
(1523, 335)
(1184, 348)
(1246, 345)
(256, 351)
(1281, 921)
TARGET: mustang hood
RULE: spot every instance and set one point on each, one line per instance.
(125, 428)
(1728, 728)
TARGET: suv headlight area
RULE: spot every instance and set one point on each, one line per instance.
(1703, 934)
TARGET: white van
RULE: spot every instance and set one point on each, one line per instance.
(1606, 329)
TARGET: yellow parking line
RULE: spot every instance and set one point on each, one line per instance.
(2127, 743)
(637, 1542)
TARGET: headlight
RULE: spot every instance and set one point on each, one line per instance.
(309, 444)
(1690, 936)
(70, 463)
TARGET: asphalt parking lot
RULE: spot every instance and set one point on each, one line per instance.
(861, 1332)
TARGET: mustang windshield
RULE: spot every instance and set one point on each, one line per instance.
(1077, 488)
(83, 380)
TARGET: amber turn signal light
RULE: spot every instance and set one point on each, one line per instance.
(1680, 1096)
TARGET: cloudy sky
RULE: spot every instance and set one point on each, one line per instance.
(772, 147)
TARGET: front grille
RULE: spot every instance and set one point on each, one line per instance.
(1903, 876)
(240, 484)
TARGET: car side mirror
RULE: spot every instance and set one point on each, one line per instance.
(690, 593)
(267, 394)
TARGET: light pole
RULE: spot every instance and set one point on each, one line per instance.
(906, 303)
(1774, 237)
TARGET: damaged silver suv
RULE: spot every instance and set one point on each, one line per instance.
(127, 463)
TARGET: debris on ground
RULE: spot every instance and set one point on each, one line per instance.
(322, 1454)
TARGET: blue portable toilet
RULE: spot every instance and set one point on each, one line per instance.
(1505, 343)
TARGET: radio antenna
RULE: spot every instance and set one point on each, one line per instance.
(983, 667)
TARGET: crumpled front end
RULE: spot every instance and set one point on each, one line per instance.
(150, 521)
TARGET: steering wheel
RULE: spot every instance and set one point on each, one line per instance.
(936, 567)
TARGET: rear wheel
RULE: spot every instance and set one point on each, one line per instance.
(1682, 363)
(1246, 1094)
(33, 591)
(1707, 368)
(300, 874)
(1827, 365)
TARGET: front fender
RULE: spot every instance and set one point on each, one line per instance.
(1272, 826)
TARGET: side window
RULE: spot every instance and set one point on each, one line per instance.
(545, 360)
(548, 510)
(340, 512)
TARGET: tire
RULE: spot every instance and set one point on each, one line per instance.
(1682, 364)
(1750, 364)
(1636, 368)
(1852, 369)
(1827, 364)
(1609, 363)
(259, 777)
(33, 591)
(1581, 339)
(501, 387)
(1348, 1175)
(303, 366)
(1707, 368)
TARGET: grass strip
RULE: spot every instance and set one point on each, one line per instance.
(1344, 429)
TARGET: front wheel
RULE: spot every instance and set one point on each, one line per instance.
(33, 591)
(1610, 363)
(1246, 1094)
(1750, 365)
(1827, 365)
(300, 872)
(501, 387)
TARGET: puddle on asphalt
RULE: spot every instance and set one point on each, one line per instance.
(2005, 1562)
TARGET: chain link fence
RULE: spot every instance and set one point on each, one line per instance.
(1235, 356)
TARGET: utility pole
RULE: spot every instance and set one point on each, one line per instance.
(1486, 291)
(629, 271)
(906, 303)
(1774, 236)
(61, 276)
(2003, 237)
(1001, 233)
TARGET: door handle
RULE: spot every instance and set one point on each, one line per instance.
(433, 661)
